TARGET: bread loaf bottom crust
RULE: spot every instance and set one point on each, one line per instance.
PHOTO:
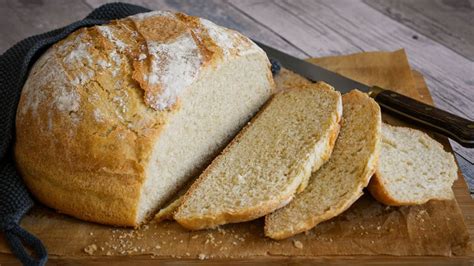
(67, 198)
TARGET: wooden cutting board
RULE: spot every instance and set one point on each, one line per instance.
(242, 243)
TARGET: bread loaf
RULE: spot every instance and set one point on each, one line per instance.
(113, 119)
(268, 162)
(413, 168)
(339, 183)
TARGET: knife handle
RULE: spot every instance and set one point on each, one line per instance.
(455, 127)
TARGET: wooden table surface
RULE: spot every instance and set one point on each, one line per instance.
(438, 35)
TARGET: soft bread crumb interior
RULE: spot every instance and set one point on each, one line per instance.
(212, 111)
(413, 167)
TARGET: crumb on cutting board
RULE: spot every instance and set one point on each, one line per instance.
(90, 249)
(298, 244)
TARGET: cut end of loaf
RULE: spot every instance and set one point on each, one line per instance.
(209, 117)
(413, 168)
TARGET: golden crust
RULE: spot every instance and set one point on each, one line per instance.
(211, 221)
(167, 212)
(378, 191)
(309, 224)
(85, 130)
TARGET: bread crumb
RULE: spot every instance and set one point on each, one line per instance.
(378, 227)
(90, 249)
(194, 236)
(202, 256)
(220, 230)
(187, 254)
(297, 244)
(157, 246)
(211, 239)
(108, 253)
(91, 233)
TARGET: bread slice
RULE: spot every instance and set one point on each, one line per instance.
(340, 181)
(268, 162)
(413, 168)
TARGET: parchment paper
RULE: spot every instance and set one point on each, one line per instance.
(369, 228)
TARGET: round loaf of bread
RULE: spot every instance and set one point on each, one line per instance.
(113, 119)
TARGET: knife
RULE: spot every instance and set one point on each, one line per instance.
(455, 127)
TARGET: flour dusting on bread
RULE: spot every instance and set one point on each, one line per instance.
(107, 33)
(174, 66)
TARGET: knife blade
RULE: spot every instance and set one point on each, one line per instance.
(455, 127)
